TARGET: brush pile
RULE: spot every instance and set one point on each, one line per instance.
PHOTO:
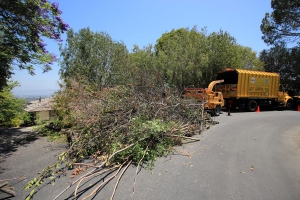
(118, 126)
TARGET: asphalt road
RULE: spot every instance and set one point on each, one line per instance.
(245, 156)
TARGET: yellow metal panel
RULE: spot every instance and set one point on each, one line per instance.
(242, 85)
(257, 84)
(252, 84)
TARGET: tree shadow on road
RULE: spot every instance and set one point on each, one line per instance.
(238, 111)
(12, 138)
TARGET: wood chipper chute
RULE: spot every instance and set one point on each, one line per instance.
(212, 101)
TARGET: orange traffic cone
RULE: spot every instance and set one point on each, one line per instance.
(257, 110)
(298, 108)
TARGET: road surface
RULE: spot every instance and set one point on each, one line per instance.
(245, 156)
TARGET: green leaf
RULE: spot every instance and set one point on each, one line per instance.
(28, 198)
(32, 192)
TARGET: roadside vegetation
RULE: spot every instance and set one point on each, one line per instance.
(116, 107)
(12, 109)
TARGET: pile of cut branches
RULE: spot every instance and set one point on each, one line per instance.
(118, 126)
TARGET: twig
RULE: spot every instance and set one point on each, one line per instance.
(123, 150)
(3, 184)
(7, 190)
(13, 179)
(166, 108)
(84, 164)
(138, 168)
(185, 153)
(101, 172)
(97, 188)
(180, 136)
(183, 127)
(161, 109)
(97, 167)
(112, 196)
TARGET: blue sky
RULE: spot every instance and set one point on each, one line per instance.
(142, 22)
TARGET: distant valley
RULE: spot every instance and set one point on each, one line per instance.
(31, 95)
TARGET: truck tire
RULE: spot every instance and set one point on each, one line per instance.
(217, 110)
(289, 104)
(252, 106)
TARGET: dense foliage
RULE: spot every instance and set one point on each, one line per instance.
(190, 57)
(225, 52)
(281, 28)
(180, 58)
(283, 24)
(23, 25)
(94, 57)
(12, 109)
(142, 65)
(286, 62)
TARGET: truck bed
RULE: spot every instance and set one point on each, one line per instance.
(239, 83)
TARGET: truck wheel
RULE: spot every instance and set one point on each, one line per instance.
(252, 106)
(289, 104)
(217, 110)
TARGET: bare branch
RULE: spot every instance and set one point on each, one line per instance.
(113, 193)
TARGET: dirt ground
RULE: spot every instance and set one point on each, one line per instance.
(23, 153)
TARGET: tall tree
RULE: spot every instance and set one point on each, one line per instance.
(143, 66)
(189, 57)
(286, 62)
(93, 56)
(222, 53)
(23, 24)
(247, 59)
(283, 24)
(225, 52)
(279, 28)
(182, 57)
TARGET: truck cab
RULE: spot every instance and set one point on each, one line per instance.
(284, 100)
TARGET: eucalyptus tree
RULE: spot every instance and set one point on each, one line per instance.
(23, 25)
(94, 57)
(189, 57)
(182, 57)
(222, 53)
(142, 66)
(247, 59)
(225, 52)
